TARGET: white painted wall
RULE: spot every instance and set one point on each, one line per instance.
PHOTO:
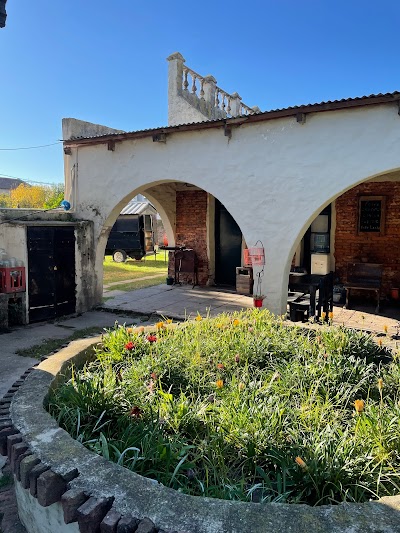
(274, 176)
(38, 519)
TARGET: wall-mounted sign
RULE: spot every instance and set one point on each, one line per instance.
(371, 214)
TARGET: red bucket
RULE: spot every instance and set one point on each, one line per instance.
(257, 302)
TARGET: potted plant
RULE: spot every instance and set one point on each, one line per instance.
(258, 300)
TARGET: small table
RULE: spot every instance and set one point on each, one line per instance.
(310, 283)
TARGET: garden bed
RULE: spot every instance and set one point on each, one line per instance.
(72, 488)
(242, 407)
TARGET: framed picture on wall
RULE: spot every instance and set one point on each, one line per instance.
(371, 214)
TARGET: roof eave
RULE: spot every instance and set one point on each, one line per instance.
(257, 117)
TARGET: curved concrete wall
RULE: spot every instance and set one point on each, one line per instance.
(61, 486)
(273, 176)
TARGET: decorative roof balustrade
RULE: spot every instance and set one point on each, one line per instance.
(230, 105)
(206, 100)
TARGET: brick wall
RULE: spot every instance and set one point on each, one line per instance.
(372, 247)
(191, 230)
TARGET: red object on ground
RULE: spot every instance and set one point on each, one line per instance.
(12, 279)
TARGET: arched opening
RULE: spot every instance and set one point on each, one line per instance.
(356, 237)
(194, 220)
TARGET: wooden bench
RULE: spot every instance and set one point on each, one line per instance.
(364, 277)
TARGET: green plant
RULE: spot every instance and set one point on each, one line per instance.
(242, 407)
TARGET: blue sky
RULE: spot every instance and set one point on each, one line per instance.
(104, 61)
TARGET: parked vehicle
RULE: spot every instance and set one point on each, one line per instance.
(131, 236)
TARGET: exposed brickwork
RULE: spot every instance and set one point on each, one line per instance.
(191, 230)
(353, 247)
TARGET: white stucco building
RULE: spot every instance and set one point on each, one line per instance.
(223, 173)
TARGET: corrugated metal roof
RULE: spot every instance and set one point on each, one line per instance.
(329, 105)
(138, 208)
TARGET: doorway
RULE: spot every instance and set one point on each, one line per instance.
(51, 272)
(228, 246)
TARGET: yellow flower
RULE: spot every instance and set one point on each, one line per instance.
(330, 315)
(380, 383)
(301, 463)
(323, 315)
(169, 321)
(129, 330)
(219, 325)
(160, 325)
(359, 406)
(219, 383)
(236, 322)
(385, 328)
(198, 318)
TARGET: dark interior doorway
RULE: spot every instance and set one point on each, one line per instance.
(51, 272)
(228, 246)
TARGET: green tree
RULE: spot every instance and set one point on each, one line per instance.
(55, 196)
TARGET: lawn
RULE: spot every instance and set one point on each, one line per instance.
(154, 266)
(243, 407)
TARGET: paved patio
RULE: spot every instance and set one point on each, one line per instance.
(181, 301)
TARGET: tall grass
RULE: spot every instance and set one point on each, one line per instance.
(243, 407)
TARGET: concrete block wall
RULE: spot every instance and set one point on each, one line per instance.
(353, 247)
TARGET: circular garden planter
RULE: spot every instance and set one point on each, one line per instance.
(61, 486)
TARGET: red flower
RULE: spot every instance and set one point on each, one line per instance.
(129, 346)
(151, 338)
(153, 375)
(136, 412)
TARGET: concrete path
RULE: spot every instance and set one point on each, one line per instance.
(12, 366)
(181, 301)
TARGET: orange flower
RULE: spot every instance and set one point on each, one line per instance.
(301, 463)
(169, 321)
(160, 325)
(129, 330)
(153, 375)
(140, 329)
(219, 383)
(330, 316)
(359, 406)
(220, 366)
(380, 342)
(385, 328)
(236, 322)
(198, 318)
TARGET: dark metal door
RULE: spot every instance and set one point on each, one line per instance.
(228, 246)
(51, 272)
